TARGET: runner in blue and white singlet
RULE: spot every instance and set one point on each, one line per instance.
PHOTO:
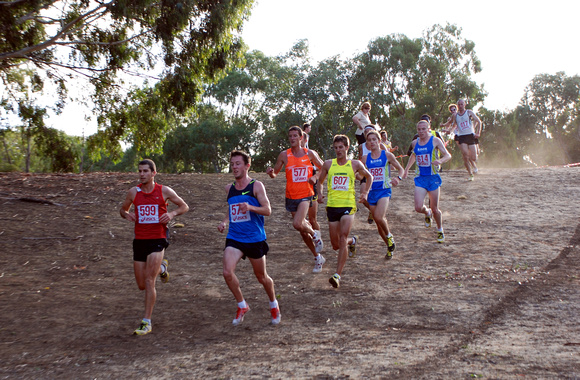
(427, 180)
(378, 163)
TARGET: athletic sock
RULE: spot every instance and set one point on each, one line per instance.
(273, 304)
(242, 304)
(390, 235)
(147, 320)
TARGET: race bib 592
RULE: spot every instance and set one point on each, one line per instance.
(378, 174)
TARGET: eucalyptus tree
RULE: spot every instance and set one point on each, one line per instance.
(187, 43)
(553, 101)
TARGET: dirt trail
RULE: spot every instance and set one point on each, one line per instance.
(500, 299)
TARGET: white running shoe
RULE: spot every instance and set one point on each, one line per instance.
(317, 240)
(320, 260)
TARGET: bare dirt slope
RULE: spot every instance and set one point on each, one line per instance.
(500, 299)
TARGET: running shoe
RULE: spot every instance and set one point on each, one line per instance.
(318, 244)
(428, 219)
(370, 219)
(165, 274)
(144, 328)
(335, 280)
(391, 245)
(471, 177)
(475, 171)
(440, 237)
(352, 247)
(240, 315)
(320, 260)
(275, 315)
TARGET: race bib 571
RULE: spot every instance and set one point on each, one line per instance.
(236, 215)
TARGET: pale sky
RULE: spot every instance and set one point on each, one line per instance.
(514, 40)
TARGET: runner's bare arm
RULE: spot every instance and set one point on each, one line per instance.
(182, 207)
(315, 158)
(126, 206)
(321, 178)
(477, 121)
(445, 155)
(393, 161)
(411, 160)
(359, 168)
(222, 226)
(281, 161)
(260, 194)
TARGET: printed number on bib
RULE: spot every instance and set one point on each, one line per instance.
(340, 183)
(237, 215)
(378, 174)
(299, 174)
(423, 160)
(148, 214)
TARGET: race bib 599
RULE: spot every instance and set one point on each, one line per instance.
(148, 214)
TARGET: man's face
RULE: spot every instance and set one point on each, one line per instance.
(423, 129)
(239, 167)
(461, 105)
(373, 141)
(294, 138)
(453, 110)
(145, 174)
(340, 149)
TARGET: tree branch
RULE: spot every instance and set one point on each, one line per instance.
(23, 53)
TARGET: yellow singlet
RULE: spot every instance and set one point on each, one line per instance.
(341, 192)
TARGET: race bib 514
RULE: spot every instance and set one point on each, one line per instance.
(424, 160)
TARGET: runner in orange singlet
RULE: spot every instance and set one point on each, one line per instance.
(299, 192)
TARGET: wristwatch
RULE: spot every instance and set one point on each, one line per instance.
(399, 177)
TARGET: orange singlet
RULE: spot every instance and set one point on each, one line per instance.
(298, 171)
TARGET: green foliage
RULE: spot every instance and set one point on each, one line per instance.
(197, 42)
(552, 102)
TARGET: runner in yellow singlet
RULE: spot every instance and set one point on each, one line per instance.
(341, 204)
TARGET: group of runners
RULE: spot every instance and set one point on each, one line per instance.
(306, 173)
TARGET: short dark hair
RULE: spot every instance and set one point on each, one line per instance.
(245, 156)
(149, 163)
(306, 125)
(341, 138)
(373, 132)
(295, 128)
(426, 118)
